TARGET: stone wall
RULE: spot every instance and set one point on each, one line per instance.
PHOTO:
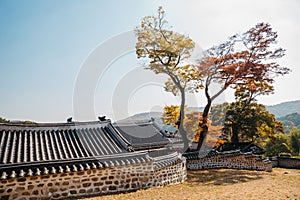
(286, 162)
(93, 182)
(232, 160)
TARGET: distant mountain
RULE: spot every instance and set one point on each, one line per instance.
(279, 110)
(285, 108)
(141, 117)
(294, 117)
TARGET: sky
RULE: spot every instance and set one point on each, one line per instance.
(76, 58)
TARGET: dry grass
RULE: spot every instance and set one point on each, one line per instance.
(224, 184)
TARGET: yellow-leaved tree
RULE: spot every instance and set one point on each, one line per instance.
(167, 52)
(171, 115)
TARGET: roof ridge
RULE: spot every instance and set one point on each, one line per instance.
(54, 124)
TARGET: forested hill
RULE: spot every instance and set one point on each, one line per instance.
(280, 110)
(294, 117)
(285, 108)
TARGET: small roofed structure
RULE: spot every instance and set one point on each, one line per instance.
(244, 147)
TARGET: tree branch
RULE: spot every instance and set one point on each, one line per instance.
(218, 93)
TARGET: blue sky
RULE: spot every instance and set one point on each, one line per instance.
(44, 45)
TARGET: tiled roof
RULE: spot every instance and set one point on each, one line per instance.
(242, 146)
(210, 153)
(49, 148)
(19, 143)
(142, 136)
(167, 159)
(61, 147)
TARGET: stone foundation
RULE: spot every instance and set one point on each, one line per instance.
(231, 160)
(94, 182)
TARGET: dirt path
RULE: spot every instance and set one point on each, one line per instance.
(224, 184)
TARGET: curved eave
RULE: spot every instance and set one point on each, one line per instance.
(75, 165)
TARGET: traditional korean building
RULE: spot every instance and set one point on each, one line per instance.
(143, 135)
(75, 159)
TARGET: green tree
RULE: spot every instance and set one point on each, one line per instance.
(251, 122)
(288, 125)
(276, 145)
(217, 114)
(167, 52)
(294, 141)
(3, 120)
(281, 143)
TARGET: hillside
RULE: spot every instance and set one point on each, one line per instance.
(294, 117)
(141, 117)
(280, 110)
(285, 108)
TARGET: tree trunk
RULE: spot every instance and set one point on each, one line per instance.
(235, 134)
(204, 124)
(181, 121)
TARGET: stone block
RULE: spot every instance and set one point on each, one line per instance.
(26, 193)
(56, 196)
(86, 184)
(95, 179)
(80, 173)
(9, 190)
(18, 189)
(35, 192)
(98, 184)
(112, 188)
(82, 191)
(52, 190)
(108, 182)
(23, 179)
(89, 191)
(45, 177)
(65, 183)
(65, 194)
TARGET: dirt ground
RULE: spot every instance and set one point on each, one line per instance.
(224, 184)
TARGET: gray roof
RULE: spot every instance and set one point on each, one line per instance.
(63, 147)
(37, 149)
(143, 135)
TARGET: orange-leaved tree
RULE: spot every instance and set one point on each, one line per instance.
(244, 61)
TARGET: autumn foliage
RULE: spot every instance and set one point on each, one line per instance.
(170, 117)
(245, 62)
(166, 52)
(248, 69)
